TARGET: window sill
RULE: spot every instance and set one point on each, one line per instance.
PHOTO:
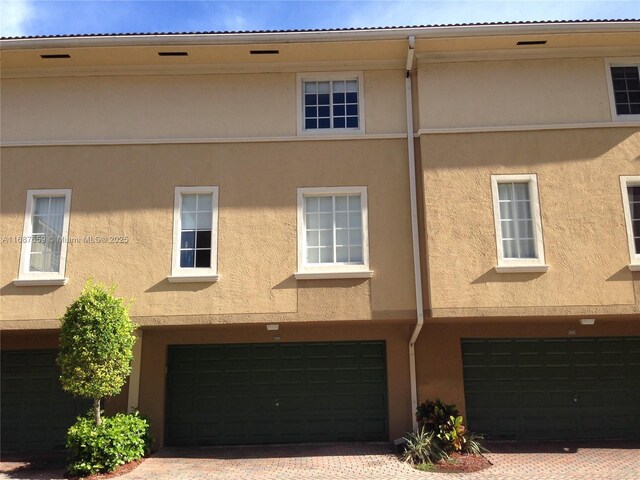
(521, 268)
(333, 275)
(634, 267)
(193, 278)
(39, 282)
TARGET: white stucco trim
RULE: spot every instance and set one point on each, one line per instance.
(331, 136)
(179, 274)
(619, 62)
(512, 265)
(134, 377)
(40, 283)
(323, 77)
(193, 278)
(625, 182)
(335, 270)
(525, 128)
(25, 276)
(333, 275)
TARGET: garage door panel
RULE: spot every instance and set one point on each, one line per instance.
(35, 411)
(560, 388)
(324, 391)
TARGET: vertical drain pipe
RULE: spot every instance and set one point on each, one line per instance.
(414, 233)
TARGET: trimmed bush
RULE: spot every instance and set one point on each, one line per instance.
(102, 448)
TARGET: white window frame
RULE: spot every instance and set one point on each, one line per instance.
(625, 182)
(301, 78)
(25, 276)
(519, 265)
(619, 62)
(183, 275)
(333, 270)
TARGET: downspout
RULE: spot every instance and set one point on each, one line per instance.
(414, 233)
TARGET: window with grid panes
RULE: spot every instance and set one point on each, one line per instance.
(333, 227)
(44, 250)
(626, 89)
(634, 212)
(516, 222)
(46, 237)
(331, 104)
(195, 230)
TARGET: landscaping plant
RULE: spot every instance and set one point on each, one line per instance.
(96, 350)
(120, 439)
(422, 448)
(441, 433)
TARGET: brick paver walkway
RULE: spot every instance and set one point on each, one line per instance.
(550, 461)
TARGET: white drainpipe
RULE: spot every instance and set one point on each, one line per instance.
(414, 233)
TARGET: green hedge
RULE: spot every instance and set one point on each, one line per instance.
(97, 449)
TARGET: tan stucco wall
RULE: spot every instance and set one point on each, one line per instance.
(99, 108)
(439, 355)
(154, 359)
(129, 190)
(513, 92)
(583, 224)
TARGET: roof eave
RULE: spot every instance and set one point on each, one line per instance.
(392, 33)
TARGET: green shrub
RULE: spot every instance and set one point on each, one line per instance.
(445, 424)
(422, 448)
(96, 345)
(102, 448)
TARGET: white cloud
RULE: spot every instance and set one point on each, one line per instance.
(14, 16)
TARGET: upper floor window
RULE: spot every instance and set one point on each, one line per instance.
(517, 222)
(624, 89)
(195, 234)
(332, 233)
(631, 202)
(44, 242)
(330, 102)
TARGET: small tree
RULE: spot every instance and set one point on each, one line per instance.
(96, 345)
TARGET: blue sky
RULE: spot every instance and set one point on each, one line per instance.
(48, 17)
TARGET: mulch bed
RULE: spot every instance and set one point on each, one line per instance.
(462, 464)
(121, 470)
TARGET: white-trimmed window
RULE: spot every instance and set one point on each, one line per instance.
(195, 235)
(631, 202)
(333, 238)
(45, 238)
(624, 88)
(517, 222)
(330, 103)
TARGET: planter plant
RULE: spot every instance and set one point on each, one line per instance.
(441, 434)
(96, 350)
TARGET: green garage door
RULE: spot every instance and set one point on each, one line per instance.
(554, 388)
(276, 393)
(36, 412)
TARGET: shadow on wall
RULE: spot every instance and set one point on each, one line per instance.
(491, 276)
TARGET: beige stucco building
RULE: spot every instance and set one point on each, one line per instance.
(320, 229)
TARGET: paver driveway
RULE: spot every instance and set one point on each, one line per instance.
(550, 461)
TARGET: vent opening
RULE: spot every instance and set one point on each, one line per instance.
(173, 54)
(532, 42)
(55, 55)
(264, 52)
